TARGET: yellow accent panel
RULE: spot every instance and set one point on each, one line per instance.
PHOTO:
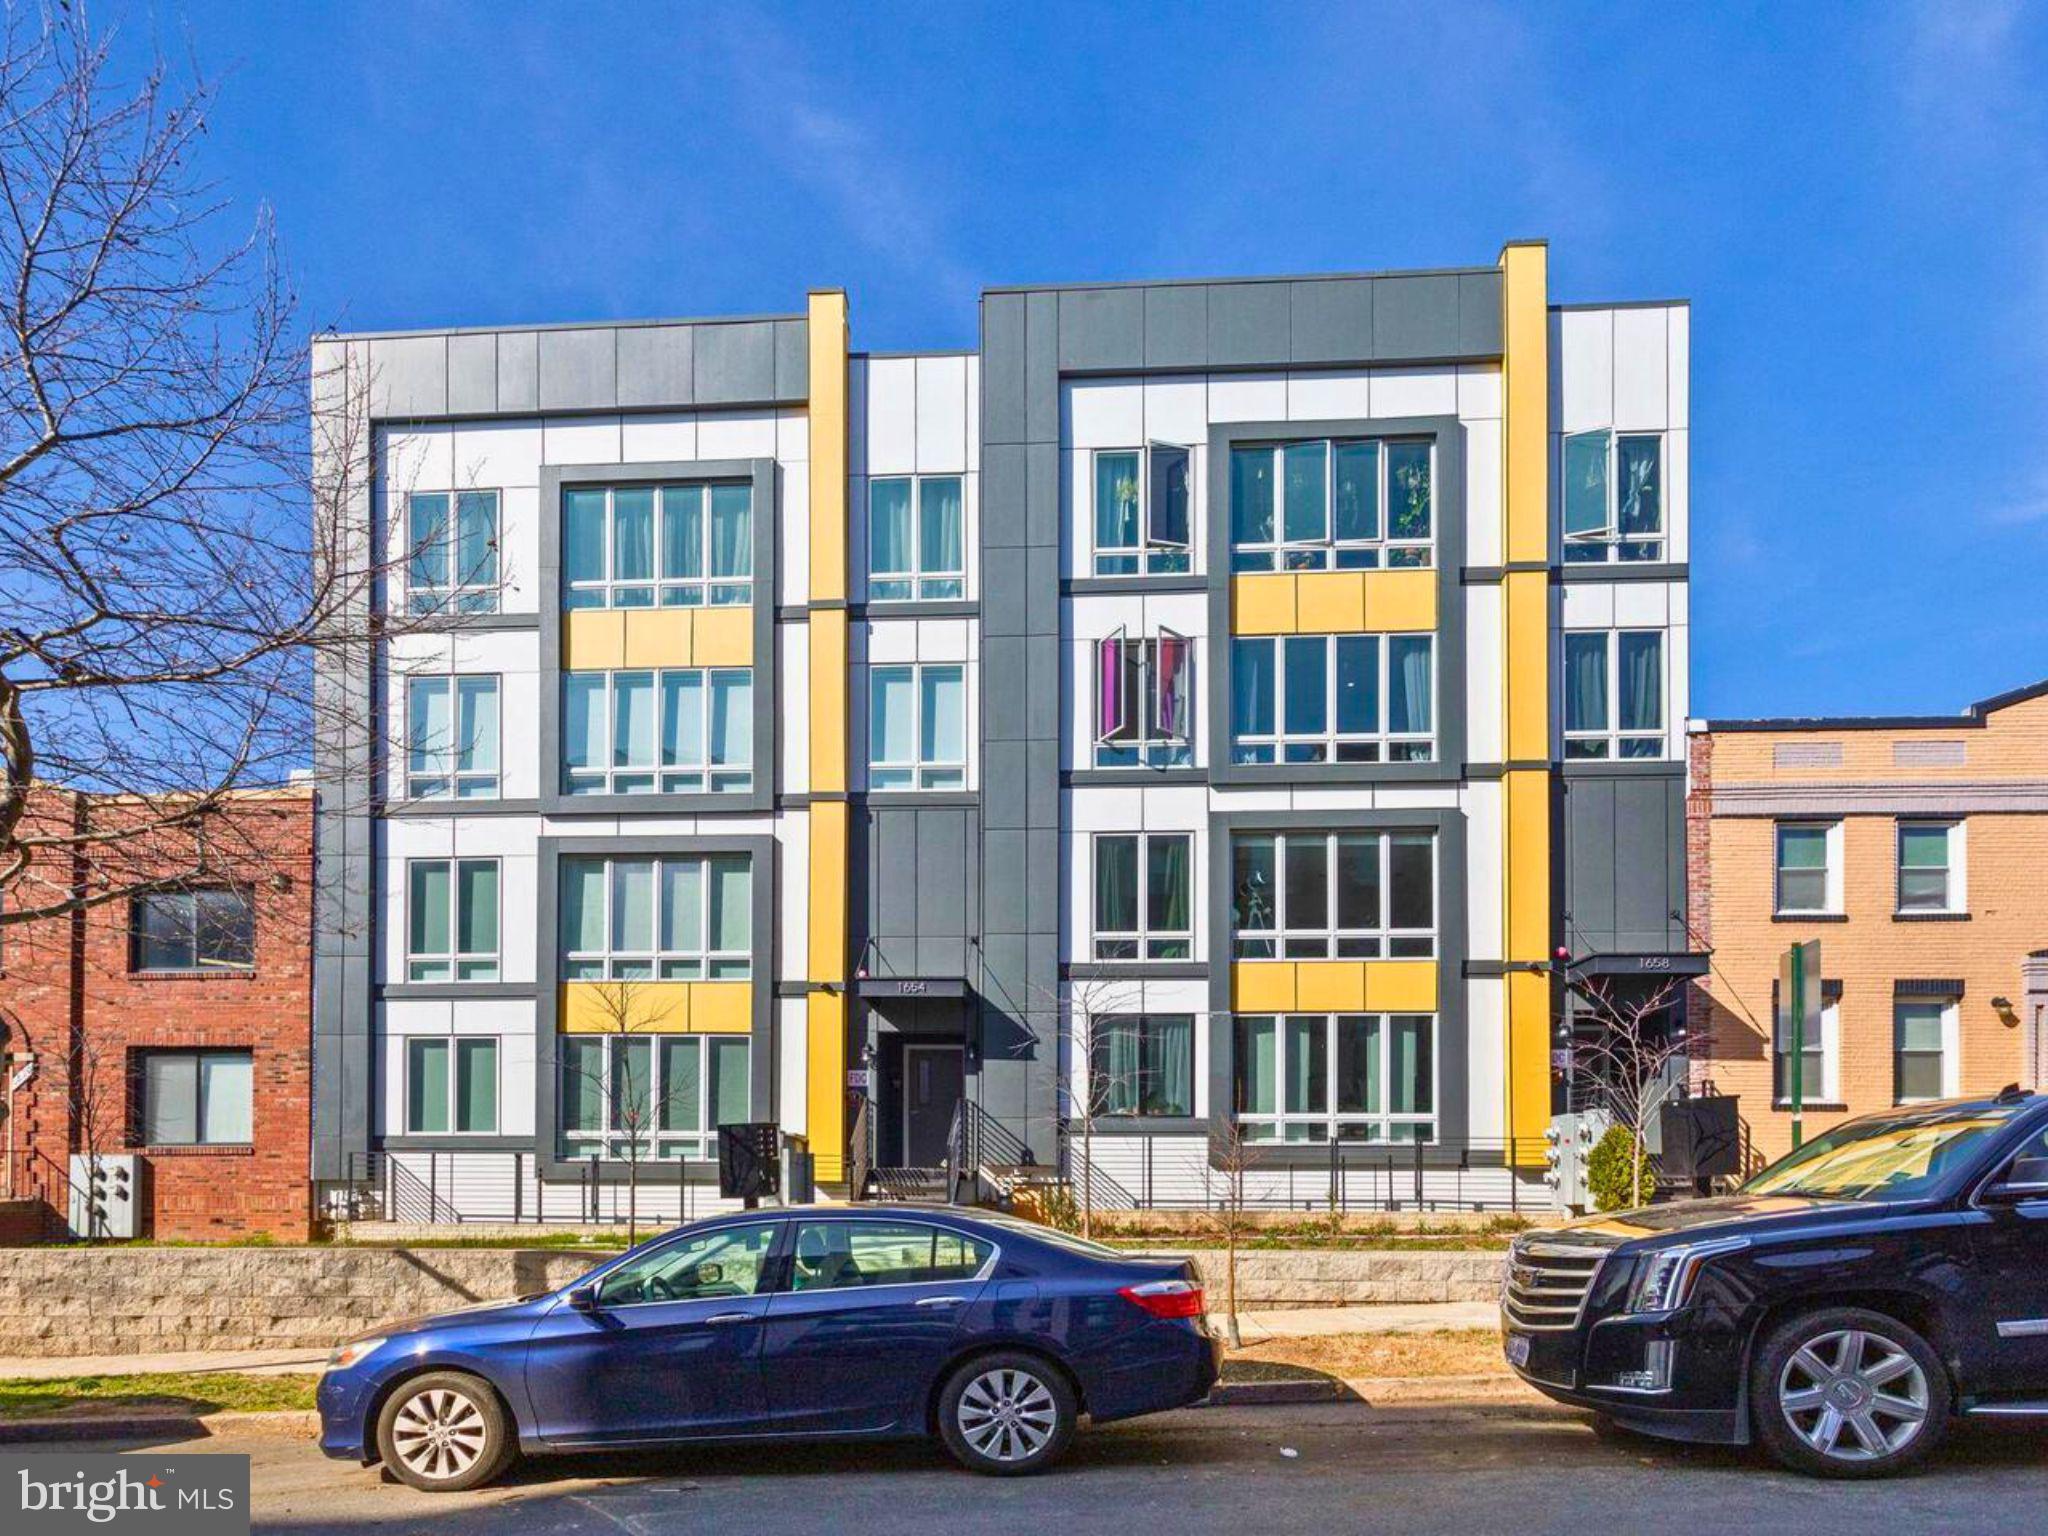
(1330, 602)
(1400, 986)
(825, 1096)
(657, 1008)
(1525, 393)
(1262, 605)
(1397, 600)
(1526, 625)
(1528, 874)
(1330, 986)
(827, 328)
(828, 701)
(827, 939)
(657, 637)
(722, 637)
(593, 640)
(1528, 1067)
(1262, 986)
(721, 1007)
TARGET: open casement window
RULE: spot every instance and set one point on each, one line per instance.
(1613, 497)
(629, 1096)
(1322, 505)
(1144, 700)
(1144, 515)
(1337, 1077)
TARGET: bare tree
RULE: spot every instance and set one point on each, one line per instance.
(1095, 1084)
(170, 562)
(625, 1011)
(1629, 1056)
(1224, 1213)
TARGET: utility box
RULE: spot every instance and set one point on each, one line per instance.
(1702, 1140)
(106, 1195)
(1567, 1144)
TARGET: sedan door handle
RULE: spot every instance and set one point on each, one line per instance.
(729, 1317)
(941, 1301)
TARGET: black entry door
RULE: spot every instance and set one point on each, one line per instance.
(933, 1076)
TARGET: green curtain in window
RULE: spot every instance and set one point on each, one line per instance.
(1307, 1067)
(1258, 1066)
(732, 530)
(633, 1086)
(940, 527)
(583, 905)
(1642, 681)
(682, 1084)
(732, 897)
(1585, 681)
(682, 906)
(1118, 1067)
(1411, 692)
(476, 1095)
(1169, 1065)
(426, 1088)
(731, 1063)
(1116, 501)
(1410, 1073)
(427, 927)
(1923, 867)
(1116, 884)
(632, 906)
(889, 521)
(1585, 484)
(477, 909)
(582, 1085)
(1167, 884)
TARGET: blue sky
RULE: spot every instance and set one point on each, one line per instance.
(1850, 196)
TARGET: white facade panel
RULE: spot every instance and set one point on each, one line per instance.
(582, 440)
(1642, 370)
(942, 419)
(891, 416)
(1585, 364)
(1485, 644)
(1335, 395)
(1482, 494)
(1414, 392)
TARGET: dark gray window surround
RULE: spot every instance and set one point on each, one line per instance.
(547, 991)
(767, 515)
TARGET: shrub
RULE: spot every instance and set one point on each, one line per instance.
(1608, 1167)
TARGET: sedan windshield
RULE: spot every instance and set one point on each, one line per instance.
(1894, 1157)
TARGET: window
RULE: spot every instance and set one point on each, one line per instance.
(1924, 1053)
(687, 731)
(1931, 866)
(451, 1086)
(731, 1261)
(1809, 867)
(453, 563)
(682, 917)
(1315, 506)
(451, 920)
(451, 738)
(1820, 1058)
(1613, 497)
(1143, 886)
(1351, 895)
(194, 931)
(917, 539)
(685, 546)
(838, 1255)
(1333, 699)
(632, 1096)
(1623, 720)
(1143, 517)
(1142, 1065)
(1341, 1077)
(1144, 701)
(917, 727)
(196, 1098)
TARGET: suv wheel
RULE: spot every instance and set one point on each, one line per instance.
(445, 1432)
(1007, 1414)
(1848, 1393)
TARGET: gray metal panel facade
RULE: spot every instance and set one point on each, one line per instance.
(1624, 859)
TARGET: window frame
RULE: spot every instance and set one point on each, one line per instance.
(938, 773)
(711, 590)
(981, 1273)
(1143, 1021)
(1376, 553)
(925, 586)
(764, 1277)
(197, 1055)
(1384, 941)
(660, 1145)
(1383, 743)
(1329, 1119)
(1142, 939)
(463, 965)
(711, 963)
(1145, 746)
(1954, 869)
(1831, 870)
(455, 1046)
(451, 594)
(1829, 1049)
(1153, 554)
(1607, 545)
(1609, 738)
(488, 783)
(1951, 1066)
(198, 966)
(729, 777)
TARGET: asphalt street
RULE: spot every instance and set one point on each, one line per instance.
(1340, 1467)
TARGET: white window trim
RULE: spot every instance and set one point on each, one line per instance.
(701, 587)
(1609, 737)
(1829, 1090)
(1833, 873)
(456, 778)
(917, 576)
(1155, 556)
(1384, 1119)
(1609, 540)
(1331, 738)
(453, 1044)
(657, 1145)
(738, 965)
(1951, 1049)
(454, 595)
(1383, 548)
(1160, 751)
(1142, 937)
(1958, 893)
(938, 773)
(1383, 937)
(729, 777)
(453, 959)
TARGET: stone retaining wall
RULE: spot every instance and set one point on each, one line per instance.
(108, 1301)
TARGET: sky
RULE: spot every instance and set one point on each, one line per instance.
(1851, 197)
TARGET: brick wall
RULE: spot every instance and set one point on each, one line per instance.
(1699, 898)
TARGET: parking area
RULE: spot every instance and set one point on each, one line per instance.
(1341, 1466)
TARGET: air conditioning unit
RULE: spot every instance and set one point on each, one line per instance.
(106, 1195)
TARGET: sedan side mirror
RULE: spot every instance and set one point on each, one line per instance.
(583, 1298)
(2026, 1179)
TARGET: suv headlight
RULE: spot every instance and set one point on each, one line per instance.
(350, 1353)
(1663, 1280)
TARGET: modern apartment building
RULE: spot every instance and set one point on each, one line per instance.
(1252, 700)
(1912, 849)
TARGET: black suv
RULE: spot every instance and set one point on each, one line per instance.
(1843, 1308)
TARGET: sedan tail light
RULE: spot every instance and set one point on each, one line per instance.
(1166, 1298)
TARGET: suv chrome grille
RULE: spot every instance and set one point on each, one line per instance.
(1547, 1284)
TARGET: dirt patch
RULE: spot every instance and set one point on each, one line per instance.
(1464, 1352)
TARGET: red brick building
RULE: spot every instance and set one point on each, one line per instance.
(174, 1025)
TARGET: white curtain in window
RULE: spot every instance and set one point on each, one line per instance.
(1410, 691)
(732, 718)
(940, 524)
(227, 1083)
(732, 530)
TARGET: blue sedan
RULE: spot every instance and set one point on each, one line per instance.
(993, 1333)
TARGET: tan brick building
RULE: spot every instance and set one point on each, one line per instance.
(1915, 850)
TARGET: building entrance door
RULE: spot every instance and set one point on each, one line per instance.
(934, 1077)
